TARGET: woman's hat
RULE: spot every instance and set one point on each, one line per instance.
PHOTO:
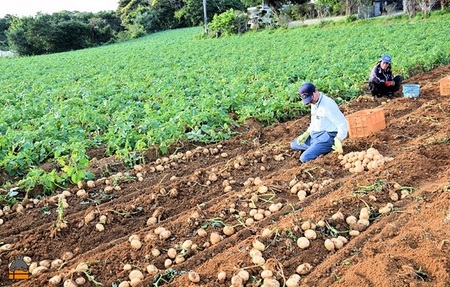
(386, 59)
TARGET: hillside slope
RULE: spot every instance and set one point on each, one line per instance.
(218, 185)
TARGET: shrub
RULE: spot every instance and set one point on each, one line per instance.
(229, 22)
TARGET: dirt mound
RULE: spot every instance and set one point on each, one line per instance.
(255, 186)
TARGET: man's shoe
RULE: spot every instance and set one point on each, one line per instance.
(390, 95)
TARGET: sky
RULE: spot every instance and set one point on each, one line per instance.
(31, 7)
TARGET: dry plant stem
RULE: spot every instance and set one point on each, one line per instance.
(275, 265)
(226, 166)
(366, 204)
(276, 188)
(162, 179)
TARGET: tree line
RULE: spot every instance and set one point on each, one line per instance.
(72, 30)
(58, 32)
(66, 30)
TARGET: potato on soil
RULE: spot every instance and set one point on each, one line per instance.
(135, 282)
(258, 260)
(258, 245)
(56, 263)
(201, 232)
(329, 245)
(303, 242)
(90, 183)
(304, 268)
(364, 213)
(221, 276)
(67, 256)
(165, 234)
(55, 280)
(310, 234)
(193, 277)
(136, 244)
(89, 217)
(100, 227)
(152, 269)
(186, 244)
(265, 274)
(80, 280)
(168, 262)
(215, 238)
(244, 275)
(293, 281)
(338, 244)
(127, 267)
(307, 225)
(351, 220)
(228, 230)
(69, 283)
(266, 233)
(255, 252)
(136, 274)
(338, 216)
(237, 281)
(270, 282)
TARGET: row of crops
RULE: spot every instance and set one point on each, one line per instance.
(174, 85)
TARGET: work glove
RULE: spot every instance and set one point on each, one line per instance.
(387, 83)
(337, 147)
(302, 138)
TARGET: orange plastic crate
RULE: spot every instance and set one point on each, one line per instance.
(445, 86)
(365, 122)
(18, 274)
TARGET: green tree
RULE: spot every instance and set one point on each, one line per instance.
(192, 12)
(62, 31)
(4, 26)
(128, 9)
(29, 36)
(69, 35)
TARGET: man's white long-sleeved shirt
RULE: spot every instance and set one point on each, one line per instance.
(326, 116)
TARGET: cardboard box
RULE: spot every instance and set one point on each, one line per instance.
(445, 86)
(365, 122)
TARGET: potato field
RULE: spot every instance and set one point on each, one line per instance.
(232, 205)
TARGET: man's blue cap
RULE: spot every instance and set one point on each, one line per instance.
(386, 59)
(307, 90)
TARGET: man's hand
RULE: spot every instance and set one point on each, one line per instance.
(392, 83)
(302, 138)
(387, 83)
(337, 147)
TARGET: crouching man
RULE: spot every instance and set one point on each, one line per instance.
(327, 129)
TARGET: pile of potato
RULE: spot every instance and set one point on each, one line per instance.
(303, 189)
(369, 159)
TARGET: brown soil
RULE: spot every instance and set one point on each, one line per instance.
(408, 246)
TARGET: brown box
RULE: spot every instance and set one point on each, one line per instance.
(365, 122)
(445, 86)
